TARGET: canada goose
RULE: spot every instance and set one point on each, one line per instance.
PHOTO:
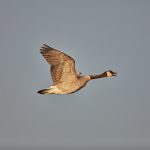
(64, 75)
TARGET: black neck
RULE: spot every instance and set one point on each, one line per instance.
(99, 76)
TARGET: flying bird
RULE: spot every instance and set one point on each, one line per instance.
(65, 78)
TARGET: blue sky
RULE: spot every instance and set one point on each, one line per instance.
(99, 35)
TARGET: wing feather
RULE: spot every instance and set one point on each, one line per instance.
(62, 65)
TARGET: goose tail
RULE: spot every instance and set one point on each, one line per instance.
(43, 91)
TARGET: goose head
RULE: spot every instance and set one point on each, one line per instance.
(110, 73)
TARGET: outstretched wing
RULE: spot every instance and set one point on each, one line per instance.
(62, 65)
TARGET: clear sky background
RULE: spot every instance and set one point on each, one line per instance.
(112, 113)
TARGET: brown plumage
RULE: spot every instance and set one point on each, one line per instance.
(64, 75)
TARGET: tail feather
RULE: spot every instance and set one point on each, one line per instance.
(44, 91)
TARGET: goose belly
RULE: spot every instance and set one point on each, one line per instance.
(70, 87)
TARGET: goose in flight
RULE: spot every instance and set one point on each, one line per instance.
(65, 78)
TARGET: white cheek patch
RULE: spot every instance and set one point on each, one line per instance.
(109, 74)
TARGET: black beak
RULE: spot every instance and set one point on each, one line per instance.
(113, 73)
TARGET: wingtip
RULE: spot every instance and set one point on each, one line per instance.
(46, 46)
